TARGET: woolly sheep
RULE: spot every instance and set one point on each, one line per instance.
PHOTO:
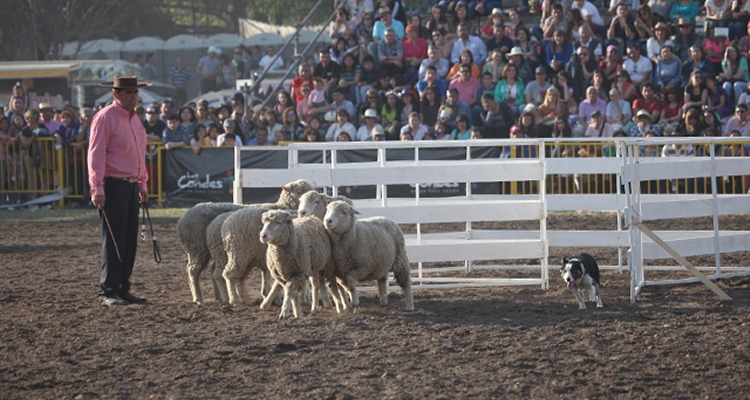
(298, 249)
(315, 203)
(367, 249)
(191, 229)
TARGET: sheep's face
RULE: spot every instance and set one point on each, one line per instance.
(338, 215)
(309, 202)
(297, 188)
(275, 227)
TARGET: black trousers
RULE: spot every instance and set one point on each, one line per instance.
(121, 207)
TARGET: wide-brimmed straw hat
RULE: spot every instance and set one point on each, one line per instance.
(515, 51)
(125, 82)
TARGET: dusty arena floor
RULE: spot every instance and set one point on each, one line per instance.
(57, 342)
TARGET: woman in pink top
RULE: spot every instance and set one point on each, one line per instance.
(715, 47)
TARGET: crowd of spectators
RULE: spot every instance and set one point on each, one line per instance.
(467, 71)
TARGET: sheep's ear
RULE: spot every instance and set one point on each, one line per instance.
(355, 211)
(290, 217)
(286, 188)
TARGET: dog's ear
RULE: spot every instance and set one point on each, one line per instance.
(565, 260)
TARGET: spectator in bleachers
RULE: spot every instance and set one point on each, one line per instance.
(351, 73)
(696, 94)
(588, 106)
(717, 13)
(658, 41)
(341, 103)
(639, 68)
(711, 123)
(342, 124)
(661, 9)
(626, 86)
(467, 58)
(430, 103)
(434, 59)
(510, 90)
(715, 47)
(415, 127)
(456, 105)
(416, 20)
(188, 119)
(535, 90)
(622, 30)
(229, 127)
(589, 13)
(644, 23)
(685, 39)
(149, 71)
(414, 51)
(494, 65)
(328, 71)
(599, 83)
(587, 40)
(261, 137)
(293, 129)
(175, 135)
(391, 54)
(697, 61)
(409, 104)
(496, 18)
(642, 125)
(734, 72)
(343, 24)
(719, 100)
(739, 122)
(687, 9)
(390, 114)
(495, 119)
(529, 126)
(462, 15)
(498, 41)
(463, 128)
(166, 109)
(611, 65)
(738, 23)
(67, 131)
(671, 112)
(527, 43)
(467, 41)
(387, 21)
(598, 127)
(366, 130)
(557, 20)
(238, 63)
(668, 70)
(691, 124)
(274, 128)
(440, 40)
(338, 49)
(465, 84)
(650, 101)
(558, 52)
(580, 71)
(438, 20)
(267, 61)
(431, 79)
(200, 139)
(304, 75)
(618, 112)
(550, 108)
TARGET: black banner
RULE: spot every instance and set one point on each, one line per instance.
(190, 179)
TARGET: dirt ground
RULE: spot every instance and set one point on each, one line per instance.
(521, 342)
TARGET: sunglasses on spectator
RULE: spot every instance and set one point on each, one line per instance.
(290, 115)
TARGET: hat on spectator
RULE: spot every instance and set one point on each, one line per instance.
(384, 10)
(611, 47)
(43, 106)
(123, 82)
(409, 92)
(515, 51)
(211, 49)
(370, 113)
(684, 21)
(377, 130)
(238, 96)
(330, 116)
(516, 129)
(541, 70)
(151, 110)
(497, 11)
(642, 113)
(412, 28)
(229, 123)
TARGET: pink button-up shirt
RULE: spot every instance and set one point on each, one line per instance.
(117, 148)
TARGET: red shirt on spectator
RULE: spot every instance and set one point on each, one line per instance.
(415, 48)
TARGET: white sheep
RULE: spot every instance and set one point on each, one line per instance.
(298, 249)
(191, 229)
(367, 249)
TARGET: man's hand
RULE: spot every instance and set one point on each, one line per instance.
(98, 201)
(142, 196)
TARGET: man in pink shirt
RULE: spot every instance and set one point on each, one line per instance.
(466, 85)
(118, 178)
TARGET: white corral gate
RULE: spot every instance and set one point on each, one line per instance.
(649, 245)
(472, 246)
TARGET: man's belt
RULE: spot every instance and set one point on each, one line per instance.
(128, 180)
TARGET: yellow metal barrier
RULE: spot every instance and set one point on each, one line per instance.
(44, 168)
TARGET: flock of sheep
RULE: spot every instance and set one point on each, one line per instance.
(304, 236)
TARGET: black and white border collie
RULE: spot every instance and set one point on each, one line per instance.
(582, 272)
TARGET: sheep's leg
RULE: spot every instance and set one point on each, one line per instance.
(402, 273)
(220, 285)
(195, 266)
(383, 290)
(351, 284)
(230, 275)
(275, 288)
(296, 286)
(244, 295)
(285, 305)
(322, 290)
(338, 298)
(306, 296)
